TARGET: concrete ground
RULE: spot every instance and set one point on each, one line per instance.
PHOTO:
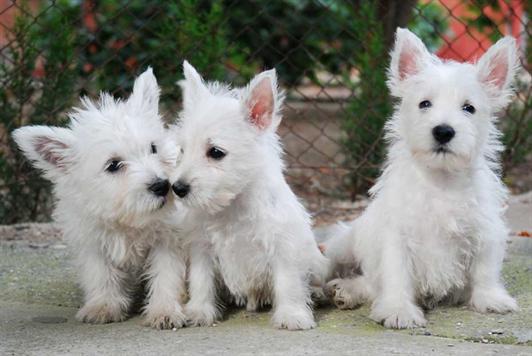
(39, 297)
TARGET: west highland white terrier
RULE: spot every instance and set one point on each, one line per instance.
(434, 230)
(253, 235)
(110, 172)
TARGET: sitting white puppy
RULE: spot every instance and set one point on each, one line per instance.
(252, 231)
(110, 171)
(434, 230)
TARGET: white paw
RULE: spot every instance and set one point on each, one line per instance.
(343, 295)
(495, 300)
(404, 316)
(201, 315)
(293, 318)
(162, 319)
(100, 313)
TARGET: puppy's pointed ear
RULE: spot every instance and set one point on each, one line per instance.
(497, 68)
(261, 101)
(193, 86)
(146, 92)
(49, 148)
(408, 57)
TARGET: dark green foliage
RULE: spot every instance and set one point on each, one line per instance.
(131, 35)
(370, 106)
(430, 22)
(38, 82)
(516, 124)
(298, 38)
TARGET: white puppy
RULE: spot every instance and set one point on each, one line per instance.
(253, 232)
(434, 230)
(110, 172)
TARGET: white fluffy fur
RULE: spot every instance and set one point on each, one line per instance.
(120, 231)
(252, 233)
(434, 230)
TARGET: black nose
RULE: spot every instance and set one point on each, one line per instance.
(443, 133)
(160, 187)
(181, 189)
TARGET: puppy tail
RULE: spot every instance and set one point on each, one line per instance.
(336, 242)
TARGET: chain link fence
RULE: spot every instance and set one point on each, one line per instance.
(331, 57)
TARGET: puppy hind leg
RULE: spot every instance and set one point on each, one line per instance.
(349, 293)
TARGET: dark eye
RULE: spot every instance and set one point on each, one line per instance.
(215, 153)
(113, 166)
(153, 148)
(425, 104)
(469, 108)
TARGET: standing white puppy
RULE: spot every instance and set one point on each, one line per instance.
(252, 231)
(434, 230)
(110, 172)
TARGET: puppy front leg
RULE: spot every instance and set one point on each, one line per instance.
(487, 292)
(104, 287)
(291, 298)
(201, 309)
(394, 305)
(166, 288)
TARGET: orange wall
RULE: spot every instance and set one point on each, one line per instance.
(8, 10)
(468, 44)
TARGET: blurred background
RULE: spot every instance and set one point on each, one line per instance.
(331, 57)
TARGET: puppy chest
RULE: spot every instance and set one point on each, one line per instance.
(244, 268)
(441, 260)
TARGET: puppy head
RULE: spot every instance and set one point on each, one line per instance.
(226, 136)
(114, 158)
(447, 109)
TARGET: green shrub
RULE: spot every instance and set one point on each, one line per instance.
(131, 35)
(430, 22)
(295, 37)
(370, 106)
(38, 79)
(516, 125)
